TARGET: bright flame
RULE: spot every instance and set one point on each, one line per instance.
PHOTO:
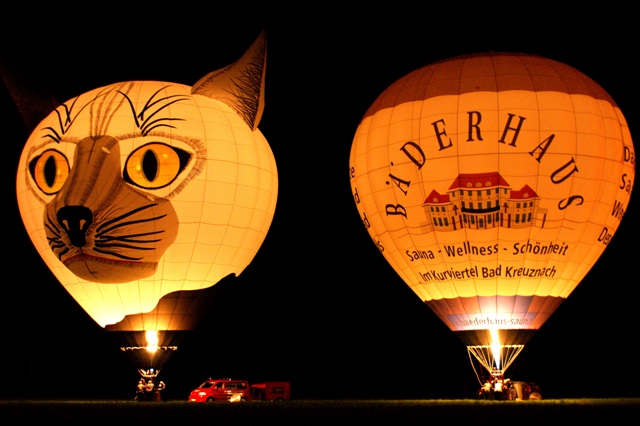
(495, 347)
(152, 340)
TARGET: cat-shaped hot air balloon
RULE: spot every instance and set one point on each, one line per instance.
(141, 195)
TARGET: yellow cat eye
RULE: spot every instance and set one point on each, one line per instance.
(154, 165)
(50, 171)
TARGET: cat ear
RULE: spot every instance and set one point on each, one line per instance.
(241, 84)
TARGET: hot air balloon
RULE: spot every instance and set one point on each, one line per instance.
(140, 196)
(492, 183)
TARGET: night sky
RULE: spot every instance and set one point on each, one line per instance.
(319, 306)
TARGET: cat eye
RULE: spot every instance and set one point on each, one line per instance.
(49, 171)
(154, 165)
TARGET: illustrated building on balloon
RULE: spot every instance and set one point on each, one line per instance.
(483, 200)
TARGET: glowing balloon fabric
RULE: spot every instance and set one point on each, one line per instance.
(492, 183)
(138, 191)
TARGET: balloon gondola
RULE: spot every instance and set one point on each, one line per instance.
(492, 183)
(140, 196)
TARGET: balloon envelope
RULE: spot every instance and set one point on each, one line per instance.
(141, 195)
(491, 183)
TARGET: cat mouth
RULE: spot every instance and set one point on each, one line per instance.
(108, 270)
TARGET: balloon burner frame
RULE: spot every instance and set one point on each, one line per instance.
(494, 358)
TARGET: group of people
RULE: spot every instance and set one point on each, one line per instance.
(149, 391)
(497, 388)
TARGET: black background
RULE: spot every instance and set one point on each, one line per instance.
(319, 305)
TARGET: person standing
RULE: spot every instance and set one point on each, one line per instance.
(148, 390)
(160, 388)
(140, 390)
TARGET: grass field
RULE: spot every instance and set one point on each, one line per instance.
(610, 412)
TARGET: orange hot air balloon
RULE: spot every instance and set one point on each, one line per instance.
(492, 183)
(141, 195)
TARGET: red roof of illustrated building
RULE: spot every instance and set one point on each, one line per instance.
(525, 193)
(436, 197)
(478, 181)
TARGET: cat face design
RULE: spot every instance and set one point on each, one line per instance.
(106, 181)
(138, 189)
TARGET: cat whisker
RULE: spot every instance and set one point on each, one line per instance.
(116, 254)
(131, 238)
(109, 225)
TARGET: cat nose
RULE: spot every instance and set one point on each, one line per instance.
(75, 220)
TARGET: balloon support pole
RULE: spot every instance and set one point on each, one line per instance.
(148, 374)
(495, 359)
